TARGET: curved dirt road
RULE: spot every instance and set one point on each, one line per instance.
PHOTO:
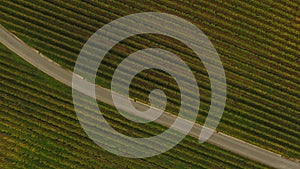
(219, 139)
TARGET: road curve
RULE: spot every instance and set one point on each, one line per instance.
(219, 139)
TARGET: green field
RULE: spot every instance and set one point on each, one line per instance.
(259, 51)
(258, 43)
(39, 129)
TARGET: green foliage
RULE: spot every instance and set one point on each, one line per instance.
(257, 43)
(39, 129)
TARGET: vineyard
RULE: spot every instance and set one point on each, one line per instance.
(258, 43)
(39, 129)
